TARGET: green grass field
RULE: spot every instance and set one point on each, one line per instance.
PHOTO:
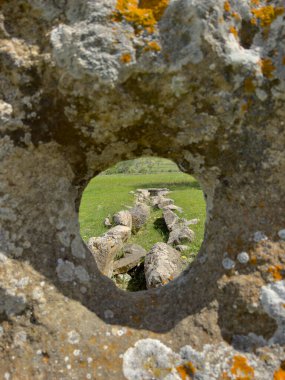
(108, 194)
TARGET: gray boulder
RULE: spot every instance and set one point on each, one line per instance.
(106, 247)
(142, 195)
(133, 249)
(181, 235)
(128, 262)
(171, 219)
(162, 264)
(123, 218)
(140, 214)
(173, 207)
(158, 191)
(161, 202)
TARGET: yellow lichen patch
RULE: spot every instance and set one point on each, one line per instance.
(157, 6)
(126, 58)
(227, 6)
(267, 67)
(153, 45)
(241, 369)
(266, 15)
(186, 371)
(276, 272)
(234, 31)
(144, 14)
(249, 85)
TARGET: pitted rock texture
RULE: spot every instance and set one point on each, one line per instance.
(84, 84)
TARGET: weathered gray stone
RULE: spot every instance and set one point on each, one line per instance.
(106, 247)
(142, 195)
(123, 218)
(127, 263)
(180, 235)
(85, 84)
(171, 219)
(162, 264)
(133, 249)
(119, 232)
(161, 202)
(140, 214)
(173, 207)
(154, 192)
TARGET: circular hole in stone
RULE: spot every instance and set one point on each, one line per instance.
(143, 220)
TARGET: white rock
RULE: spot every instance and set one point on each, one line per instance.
(243, 257)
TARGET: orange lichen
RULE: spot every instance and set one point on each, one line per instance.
(241, 369)
(186, 371)
(255, 2)
(276, 272)
(267, 67)
(249, 85)
(234, 31)
(267, 14)
(236, 16)
(126, 58)
(283, 60)
(279, 375)
(225, 376)
(144, 14)
(157, 6)
(153, 45)
(227, 6)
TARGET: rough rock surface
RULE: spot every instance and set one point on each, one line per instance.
(123, 218)
(133, 249)
(127, 263)
(171, 219)
(180, 234)
(140, 214)
(107, 246)
(162, 264)
(87, 84)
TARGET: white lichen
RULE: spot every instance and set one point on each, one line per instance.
(281, 234)
(228, 263)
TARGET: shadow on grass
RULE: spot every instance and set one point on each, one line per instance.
(170, 185)
(160, 226)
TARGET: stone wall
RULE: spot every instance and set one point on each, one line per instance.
(85, 84)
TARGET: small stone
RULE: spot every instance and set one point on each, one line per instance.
(281, 234)
(259, 236)
(228, 264)
(243, 257)
(76, 352)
